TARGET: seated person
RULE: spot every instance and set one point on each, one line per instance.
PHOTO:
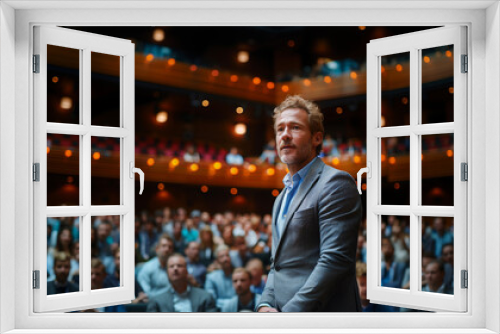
(195, 268)
(219, 282)
(434, 274)
(365, 303)
(153, 275)
(256, 269)
(392, 272)
(61, 270)
(180, 296)
(233, 157)
(245, 300)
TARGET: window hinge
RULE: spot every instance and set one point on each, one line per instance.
(465, 64)
(36, 279)
(36, 172)
(464, 171)
(465, 279)
(36, 63)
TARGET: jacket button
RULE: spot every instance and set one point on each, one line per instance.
(271, 259)
(277, 268)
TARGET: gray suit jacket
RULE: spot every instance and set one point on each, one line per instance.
(201, 301)
(313, 264)
(232, 304)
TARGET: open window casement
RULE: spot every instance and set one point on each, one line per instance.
(66, 148)
(401, 132)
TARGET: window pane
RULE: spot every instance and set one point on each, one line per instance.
(395, 81)
(105, 171)
(105, 89)
(105, 264)
(437, 84)
(63, 85)
(437, 255)
(395, 161)
(63, 170)
(437, 169)
(63, 255)
(395, 243)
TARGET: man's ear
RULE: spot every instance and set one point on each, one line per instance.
(317, 138)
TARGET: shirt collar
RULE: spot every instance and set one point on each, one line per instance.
(183, 295)
(289, 181)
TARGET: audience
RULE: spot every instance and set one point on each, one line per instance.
(209, 246)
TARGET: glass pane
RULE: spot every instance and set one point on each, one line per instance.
(105, 251)
(105, 171)
(395, 170)
(63, 170)
(63, 85)
(437, 255)
(395, 243)
(63, 255)
(105, 89)
(437, 84)
(437, 169)
(395, 83)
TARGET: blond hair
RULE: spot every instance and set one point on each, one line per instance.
(315, 117)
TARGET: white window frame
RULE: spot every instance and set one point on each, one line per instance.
(85, 43)
(483, 20)
(414, 43)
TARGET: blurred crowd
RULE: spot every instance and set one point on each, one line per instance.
(223, 259)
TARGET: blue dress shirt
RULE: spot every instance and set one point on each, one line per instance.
(292, 184)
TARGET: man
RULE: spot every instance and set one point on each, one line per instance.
(219, 282)
(195, 268)
(245, 300)
(61, 269)
(315, 221)
(153, 275)
(180, 297)
(393, 272)
(365, 303)
(256, 269)
(448, 261)
(440, 235)
(434, 275)
(97, 274)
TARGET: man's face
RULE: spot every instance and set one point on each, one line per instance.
(61, 269)
(241, 245)
(164, 249)
(103, 231)
(438, 224)
(256, 272)
(224, 259)
(241, 283)
(296, 144)
(433, 275)
(387, 248)
(193, 251)
(448, 254)
(117, 261)
(362, 287)
(98, 275)
(176, 269)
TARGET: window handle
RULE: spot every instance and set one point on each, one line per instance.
(368, 171)
(133, 170)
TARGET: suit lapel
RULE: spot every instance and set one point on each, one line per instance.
(276, 211)
(306, 185)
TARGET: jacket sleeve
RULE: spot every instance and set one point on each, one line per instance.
(339, 217)
(210, 304)
(268, 298)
